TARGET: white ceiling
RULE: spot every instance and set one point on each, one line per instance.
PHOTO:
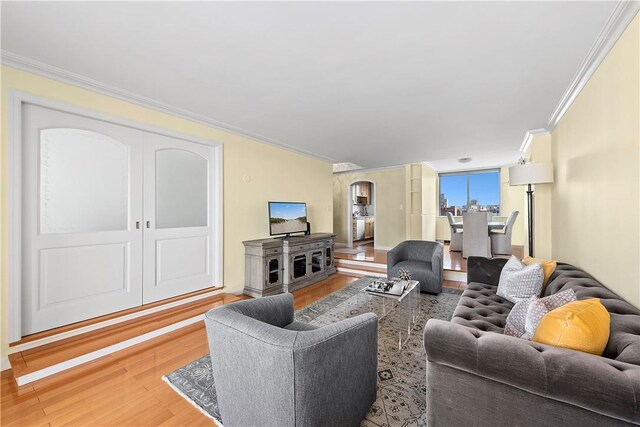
(376, 84)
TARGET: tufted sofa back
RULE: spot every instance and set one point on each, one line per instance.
(624, 338)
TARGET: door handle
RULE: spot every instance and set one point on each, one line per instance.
(148, 224)
(137, 225)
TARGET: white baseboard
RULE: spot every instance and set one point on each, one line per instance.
(76, 361)
(360, 272)
(361, 263)
(383, 248)
(68, 334)
(4, 364)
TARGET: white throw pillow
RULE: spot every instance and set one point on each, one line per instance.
(518, 281)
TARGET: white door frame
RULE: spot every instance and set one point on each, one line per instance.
(15, 103)
(374, 188)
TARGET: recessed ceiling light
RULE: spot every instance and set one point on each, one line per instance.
(464, 159)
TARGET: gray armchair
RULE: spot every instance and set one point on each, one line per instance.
(273, 371)
(501, 240)
(423, 260)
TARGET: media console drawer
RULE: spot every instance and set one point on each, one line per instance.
(299, 248)
(272, 251)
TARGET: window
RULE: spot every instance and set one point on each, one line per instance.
(477, 191)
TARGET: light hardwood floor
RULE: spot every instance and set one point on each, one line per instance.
(126, 388)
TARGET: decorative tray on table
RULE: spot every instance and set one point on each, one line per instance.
(393, 286)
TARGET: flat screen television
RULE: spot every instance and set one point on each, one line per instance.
(287, 217)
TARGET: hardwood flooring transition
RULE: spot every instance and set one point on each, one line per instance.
(66, 328)
(126, 388)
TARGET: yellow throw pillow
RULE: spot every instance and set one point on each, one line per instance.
(548, 267)
(580, 325)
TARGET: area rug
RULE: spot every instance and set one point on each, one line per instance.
(401, 370)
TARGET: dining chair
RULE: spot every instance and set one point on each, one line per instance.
(476, 241)
(501, 240)
(456, 235)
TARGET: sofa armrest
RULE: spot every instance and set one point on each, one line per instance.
(484, 270)
(591, 382)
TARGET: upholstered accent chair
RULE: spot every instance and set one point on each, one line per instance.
(423, 260)
(501, 240)
(476, 240)
(272, 370)
(456, 235)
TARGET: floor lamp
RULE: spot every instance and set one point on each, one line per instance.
(528, 174)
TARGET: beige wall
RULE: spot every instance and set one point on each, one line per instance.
(421, 188)
(430, 202)
(390, 218)
(513, 199)
(254, 173)
(595, 148)
(539, 151)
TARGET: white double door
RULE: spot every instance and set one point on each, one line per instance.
(113, 218)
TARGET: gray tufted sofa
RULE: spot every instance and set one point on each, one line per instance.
(423, 260)
(478, 376)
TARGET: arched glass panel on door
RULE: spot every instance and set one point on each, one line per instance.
(84, 182)
(181, 189)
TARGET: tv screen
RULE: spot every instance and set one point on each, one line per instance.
(287, 217)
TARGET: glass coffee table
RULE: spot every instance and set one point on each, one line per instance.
(399, 311)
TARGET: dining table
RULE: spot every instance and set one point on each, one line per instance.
(493, 225)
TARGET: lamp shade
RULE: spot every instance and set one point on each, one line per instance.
(531, 173)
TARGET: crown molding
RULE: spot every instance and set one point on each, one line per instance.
(19, 62)
(617, 23)
(367, 170)
(528, 137)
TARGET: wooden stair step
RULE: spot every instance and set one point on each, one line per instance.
(37, 362)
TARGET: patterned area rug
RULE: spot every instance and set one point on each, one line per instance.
(401, 368)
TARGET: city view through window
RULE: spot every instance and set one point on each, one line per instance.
(470, 192)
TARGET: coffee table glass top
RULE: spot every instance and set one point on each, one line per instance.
(401, 311)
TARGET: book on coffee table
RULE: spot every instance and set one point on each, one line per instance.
(388, 287)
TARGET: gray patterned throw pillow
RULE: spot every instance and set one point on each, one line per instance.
(517, 318)
(524, 317)
(538, 307)
(518, 281)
